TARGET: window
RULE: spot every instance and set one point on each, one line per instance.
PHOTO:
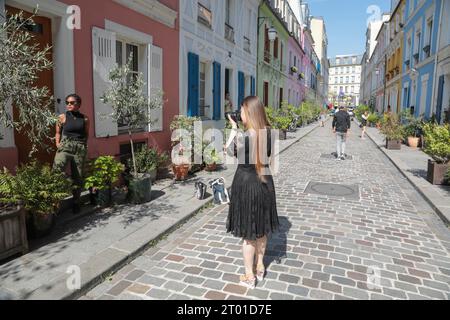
(338, 61)
(341, 80)
(228, 12)
(353, 69)
(346, 69)
(352, 89)
(229, 30)
(408, 51)
(417, 46)
(124, 51)
(275, 48)
(336, 80)
(353, 78)
(346, 79)
(204, 13)
(429, 35)
(410, 7)
(202, 91)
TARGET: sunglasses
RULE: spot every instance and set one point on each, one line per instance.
(71, 103)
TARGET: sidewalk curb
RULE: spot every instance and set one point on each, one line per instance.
(410, 178)
(98, 279)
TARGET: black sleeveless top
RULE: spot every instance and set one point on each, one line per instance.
(75, 126)
(244, 146)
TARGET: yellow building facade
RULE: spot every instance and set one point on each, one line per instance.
(394, 57)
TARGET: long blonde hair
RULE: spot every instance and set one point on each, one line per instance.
(257, 121)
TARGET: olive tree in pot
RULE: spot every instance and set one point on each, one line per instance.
(148, 160)
(104, 173)
(39, 189)
(131, 107)
(393, 131)
(437, 146)
(22, 63)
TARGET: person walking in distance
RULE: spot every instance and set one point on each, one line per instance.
(322, 119)
(253, 211)
(365, 116)
(72, 132)
(341, 127)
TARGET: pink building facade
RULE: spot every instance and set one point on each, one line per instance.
(89, 41)
(296, 82)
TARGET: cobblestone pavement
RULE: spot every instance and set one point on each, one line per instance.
(388, 244)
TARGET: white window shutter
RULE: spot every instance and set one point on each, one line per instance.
(104, 60)
(156, 84)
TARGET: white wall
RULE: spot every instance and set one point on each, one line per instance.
(212, 46)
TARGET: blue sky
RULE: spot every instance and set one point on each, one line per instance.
(346, 22)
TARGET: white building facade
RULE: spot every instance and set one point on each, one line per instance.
(218, 55)
(319, 34)
(345, 80)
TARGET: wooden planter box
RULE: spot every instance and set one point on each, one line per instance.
(13, 233)
(436, 172)
(393, 144)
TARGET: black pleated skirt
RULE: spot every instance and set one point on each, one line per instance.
(253, 209)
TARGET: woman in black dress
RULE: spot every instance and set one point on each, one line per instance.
(253, 211)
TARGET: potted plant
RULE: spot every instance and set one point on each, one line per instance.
(282, 123)
(447, 177)
(131, 107)
(21, 64)
(211, 159)
(104, 172)
(183, 153)
(294, 69)
(373, 119)
(437, 146)
(148, 160)
(39, 190)
(393, 131)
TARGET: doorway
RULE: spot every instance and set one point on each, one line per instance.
(42, 37)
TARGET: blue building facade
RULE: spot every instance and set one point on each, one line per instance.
(419, 55)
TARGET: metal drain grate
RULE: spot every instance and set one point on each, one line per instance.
(335, 190)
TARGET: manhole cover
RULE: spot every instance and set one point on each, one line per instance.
(332, 156)
(336, 190)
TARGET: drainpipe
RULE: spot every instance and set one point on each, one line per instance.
(433, 102)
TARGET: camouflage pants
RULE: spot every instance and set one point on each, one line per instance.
(74, 153)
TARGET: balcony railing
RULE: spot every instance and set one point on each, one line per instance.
(229, 32)
(204, 16)
(247, 45)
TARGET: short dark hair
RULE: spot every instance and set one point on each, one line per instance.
(76, 97)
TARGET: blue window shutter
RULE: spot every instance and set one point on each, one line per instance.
(217, 91)
(193, 84)
(253, 86)
(241, 88)
(439, 99)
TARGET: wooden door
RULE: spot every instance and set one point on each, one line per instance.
(42, 36)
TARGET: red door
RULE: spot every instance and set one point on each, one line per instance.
(42, 36)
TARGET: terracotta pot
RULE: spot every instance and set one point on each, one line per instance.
(393, 144)
(413, 142)
(181, 172)
(211, 167)
(436, 172)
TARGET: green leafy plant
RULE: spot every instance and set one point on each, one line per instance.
(130, 105)
(437, 142)
(447, 177)
(210, 156)
(104, 172)
(37, 187)
(373, 118)
(391, 127)
(22, 61)
(148, 160)
(360, 111)
(179, 124)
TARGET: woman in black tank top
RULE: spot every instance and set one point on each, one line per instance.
(72, 133)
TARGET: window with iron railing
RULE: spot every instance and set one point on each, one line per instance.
(247, 45)
(204, 16)
(229, 32)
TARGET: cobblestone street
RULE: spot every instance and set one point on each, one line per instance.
(377, 239)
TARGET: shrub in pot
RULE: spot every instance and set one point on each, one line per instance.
(148, 160)
(393, 131)
(411, 133)
(132, 108)
(373, 119)
(437, 146)
(282, 123)
(39, 190)
(104, 172)
(211, 159)
(184, 148)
